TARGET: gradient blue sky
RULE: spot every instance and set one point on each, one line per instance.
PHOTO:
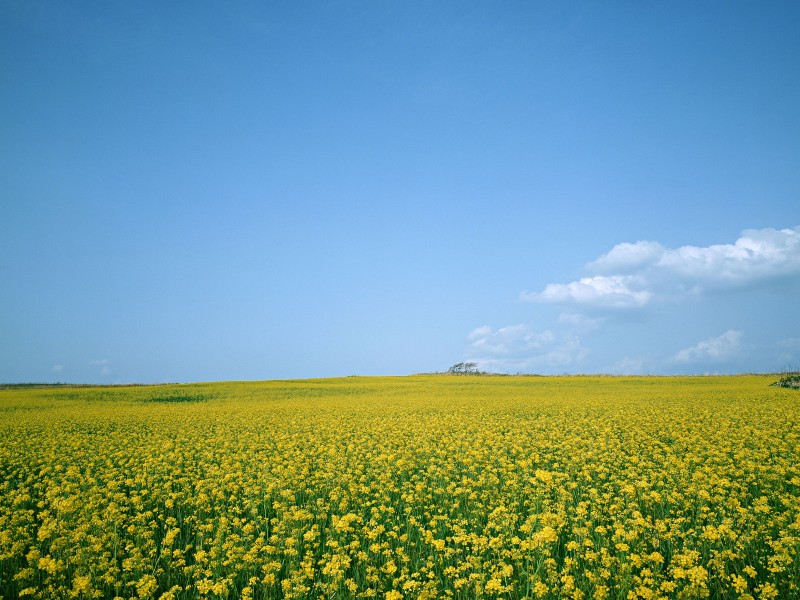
(247, 190)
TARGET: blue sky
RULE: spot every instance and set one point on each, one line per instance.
(246, 190)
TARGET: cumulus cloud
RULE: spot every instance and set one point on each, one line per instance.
(717, 349)
(632, 287)
(633, 275)
(627, 257)
(757, 255)
(612, 291)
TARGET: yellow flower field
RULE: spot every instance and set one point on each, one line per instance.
(411, 487)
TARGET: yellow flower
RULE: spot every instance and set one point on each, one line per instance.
(494, 586)
(389, 568)
(739, 584)
(82, 584)
(767, 591)
(48, 564)
(146, 586)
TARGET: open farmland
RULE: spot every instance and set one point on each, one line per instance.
(412, 487)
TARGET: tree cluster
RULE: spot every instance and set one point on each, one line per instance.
(790, 380)
(463, 368)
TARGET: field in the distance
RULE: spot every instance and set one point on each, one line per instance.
(412, 487)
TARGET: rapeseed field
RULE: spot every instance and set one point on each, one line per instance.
(413, 487)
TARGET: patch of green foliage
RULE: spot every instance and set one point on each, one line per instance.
(790, 381)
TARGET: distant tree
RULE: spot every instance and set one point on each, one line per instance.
(463, 368)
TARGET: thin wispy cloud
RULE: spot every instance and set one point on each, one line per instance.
(580, 321)
(630, 365)
(789, 353)
(103, 363)
(716, 349)
(511, 340)
(522, 348)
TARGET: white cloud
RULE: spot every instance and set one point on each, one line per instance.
(57, 368)
(721, 348)
(511, 340)
(480, 332)
(570, 351)
(621, 303)
(630, 365)
(519, 348)
(758, 254)
(579, 320)
(627, 257)
(613, 291)
(632, 275)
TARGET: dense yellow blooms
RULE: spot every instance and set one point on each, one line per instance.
(417, 487)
